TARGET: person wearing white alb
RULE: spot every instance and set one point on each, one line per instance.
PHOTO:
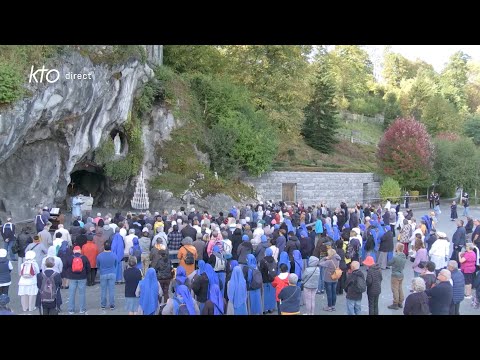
(440, 252)
(27, 285)
(399, 222)
(388, 205)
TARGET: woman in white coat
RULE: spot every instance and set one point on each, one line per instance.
(440, 252)
(27, 285)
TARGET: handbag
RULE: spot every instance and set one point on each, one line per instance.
(337, 274)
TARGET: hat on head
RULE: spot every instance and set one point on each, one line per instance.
(3, 253)
(368, 261)
(245, 238)
(247, 219)
(357, 230)
(99, 214)
(4, 299)
(30, 255)
(77, 248)
(45, 208)
(276, 226)
(232, 225)
(174, 222)
(145, 229)
(441, 235)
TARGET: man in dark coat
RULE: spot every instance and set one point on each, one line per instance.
(386, 246)
(374, 284)
(355, 286)
(458, 240)
(441, 295)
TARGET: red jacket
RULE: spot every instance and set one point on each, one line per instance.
(90, 250)
(279, 284)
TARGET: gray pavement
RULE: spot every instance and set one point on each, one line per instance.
(93, 293)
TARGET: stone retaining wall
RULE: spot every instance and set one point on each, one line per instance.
(313, 187)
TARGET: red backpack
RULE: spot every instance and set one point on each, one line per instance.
(77, 264)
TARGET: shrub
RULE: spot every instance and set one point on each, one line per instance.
(390, 189)
(10, 83)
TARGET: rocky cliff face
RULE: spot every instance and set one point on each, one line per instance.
(44, 137)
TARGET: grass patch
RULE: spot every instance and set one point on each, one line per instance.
(175, 183)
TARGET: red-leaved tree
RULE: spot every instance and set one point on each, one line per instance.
(405, 153)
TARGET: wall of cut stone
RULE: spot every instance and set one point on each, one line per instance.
(314, 187)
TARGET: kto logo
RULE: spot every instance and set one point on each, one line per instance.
(51, 75)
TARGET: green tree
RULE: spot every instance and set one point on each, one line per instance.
(390, 189)
(245, 138)
(320, 124)
(353, 73)
(472, 89)
(277, 77)
(472, 128)
(396, 68)
(416, 93)
(453, 80)
(440, 115)
(392, 109)
(205, 59)
(457, 163)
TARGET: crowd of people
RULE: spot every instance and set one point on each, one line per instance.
(257, 259)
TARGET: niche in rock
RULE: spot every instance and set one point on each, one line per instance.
(119, 142)
(88, 179)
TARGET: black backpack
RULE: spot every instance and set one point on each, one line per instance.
(189, 258)
(272, 270)
(164, 269)
(352, 248)
(257, 280)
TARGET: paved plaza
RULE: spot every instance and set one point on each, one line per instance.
(93, 293)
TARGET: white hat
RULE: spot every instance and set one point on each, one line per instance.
(193, 210)
(232, 225)
(174, 222)
(30, 255)
(357, 230)
(145, 230)
(3, 253)
(157, 213)
(99, 214)
(441, 235)
(247, 219)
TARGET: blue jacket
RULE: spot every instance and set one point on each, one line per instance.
(290, 299)
(458, 286)
(440, 298)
